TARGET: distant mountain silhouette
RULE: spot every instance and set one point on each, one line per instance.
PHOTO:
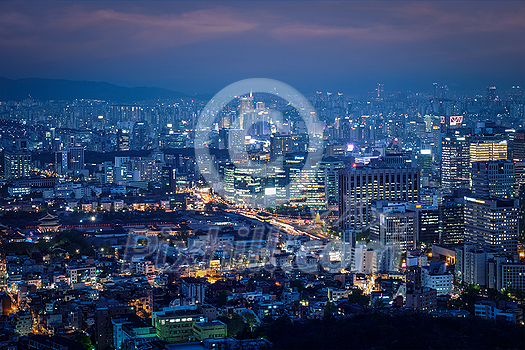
(58, 89)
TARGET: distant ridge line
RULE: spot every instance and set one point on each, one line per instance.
(61, 89)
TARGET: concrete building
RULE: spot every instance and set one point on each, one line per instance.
(493, 179)
(492, 224)
(77, 274)
(471, 265)
(436, 277)
(175, 324)
(451, 221)
(145, 267)
(359, 186)
(422, 300)
(17, 165)
(455, 162)
(194, 288)
(131, 327)
(490, 310)
(212, 329)
(76, 158)
(394, 224)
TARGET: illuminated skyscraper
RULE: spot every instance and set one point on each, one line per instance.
(306, 186)
(246, 111)
(61, 162)
(393, 224)
(283, 144)
(380, 90)
(455, 165)
(428, 223)
(76, 158)
(139, 136)
(494, 179)
(519, 145)
(122, 140)
(17, 164)
(485, 148)
(359, 186)
(492, 224)
(331, 167)
(451, 221)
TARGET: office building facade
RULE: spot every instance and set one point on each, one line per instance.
(455, 163)
(493, 179)
(492, 224)
(358, 187)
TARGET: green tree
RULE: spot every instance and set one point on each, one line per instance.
(251, 319)
(468, 298)
(85, 341)
(107, 248)
(378, 304)
(235, 324)
(222, 298)
(329, 309)
(357, 297)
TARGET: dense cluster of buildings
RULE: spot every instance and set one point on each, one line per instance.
(403, 200)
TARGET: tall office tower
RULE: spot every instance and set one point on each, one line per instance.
(331, 167)
(283, 144)
(435, 90)
(347, 248)
(455, 163)
(493, 179)
(485, 148)
(452, 221)
(492, 224)
(306, 186)
(246, 111)
(139, 136)
(236, 141)
(424, 163)
(380, 90)
(243, 185)
(17, 164)
(359, 186)
(122, 140)
(491, 94)
(519, 145)
(471, 265)
(428, 218)
(61, 162)
(519, 177)
(146, 168)
(76, 158)
(109, 172)
(169, 178)
(393, 224)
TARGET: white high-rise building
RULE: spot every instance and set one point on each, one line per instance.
(492, 224)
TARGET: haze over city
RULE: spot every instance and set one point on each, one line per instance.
(263, 175)
(202, 46)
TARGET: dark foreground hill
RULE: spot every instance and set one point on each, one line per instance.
(408, 331)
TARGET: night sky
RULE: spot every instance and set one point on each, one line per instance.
(200, 47)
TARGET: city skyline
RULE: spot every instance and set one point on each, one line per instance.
(356, 180)
(202, 47)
